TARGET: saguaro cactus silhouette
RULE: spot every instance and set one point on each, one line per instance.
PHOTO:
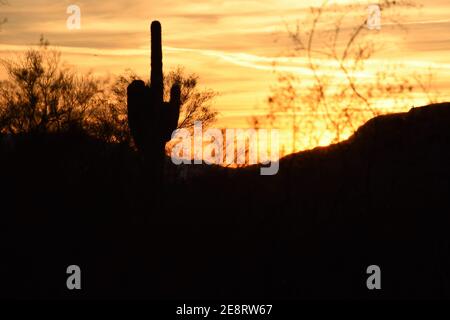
(151, 120)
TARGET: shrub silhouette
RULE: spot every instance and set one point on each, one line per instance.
(42, 94)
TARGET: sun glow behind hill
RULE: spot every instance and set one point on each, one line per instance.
(232, 45)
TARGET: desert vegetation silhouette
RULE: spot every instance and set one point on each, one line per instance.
(71, 195)
(43, 94)
(343, 89)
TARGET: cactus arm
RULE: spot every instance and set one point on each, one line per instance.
(174, 106)
(172, 112)
(136, 111)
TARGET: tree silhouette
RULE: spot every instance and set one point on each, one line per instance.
(334, 101)
(44, 95)
(109, 119)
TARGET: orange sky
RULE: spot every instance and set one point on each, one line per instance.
(230, 44)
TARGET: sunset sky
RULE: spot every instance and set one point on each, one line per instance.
(230, 44)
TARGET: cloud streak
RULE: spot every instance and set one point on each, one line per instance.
(231, 44)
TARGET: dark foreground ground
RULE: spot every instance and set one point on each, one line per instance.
(382, 197)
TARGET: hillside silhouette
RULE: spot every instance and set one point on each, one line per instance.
(381, 197)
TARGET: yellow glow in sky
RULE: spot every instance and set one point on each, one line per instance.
(230, 44)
